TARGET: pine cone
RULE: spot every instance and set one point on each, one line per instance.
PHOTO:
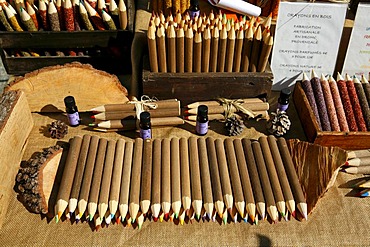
(279, 123)
(58, 129)
(234, 126)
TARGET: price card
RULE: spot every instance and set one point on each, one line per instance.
(357, 60)
(307, 37)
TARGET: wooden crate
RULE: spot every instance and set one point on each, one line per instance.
(192, 87)
(347, 140)
(107, 50)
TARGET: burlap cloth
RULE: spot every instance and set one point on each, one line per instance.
(337, 220)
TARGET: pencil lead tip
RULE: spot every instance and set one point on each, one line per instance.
(92, 125)
(294, 214)
(93, 117)
(91, 217)
(56, 219)
(182, 222)
(166, 216)
(155, 219)
(176, 215)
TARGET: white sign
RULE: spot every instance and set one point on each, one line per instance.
(307, 37)
(358, 53)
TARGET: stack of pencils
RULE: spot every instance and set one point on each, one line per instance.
(170, 6)
(216, 110)
(210, 43)
(179, 179)
(341, 105)
(62, 15)
(121, 117)
(358, 162)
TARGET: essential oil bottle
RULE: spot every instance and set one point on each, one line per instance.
(194, 9)
(72, 111)
(201, 126)
(283, 101)
(145, 125)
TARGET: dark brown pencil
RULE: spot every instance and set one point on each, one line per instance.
(247, 49)
(257, 43)
(265, 53)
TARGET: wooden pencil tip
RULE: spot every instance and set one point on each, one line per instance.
(155, 219)
(166, 216)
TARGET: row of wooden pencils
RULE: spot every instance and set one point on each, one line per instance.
(121, 117)
(62, 15)
(341, 105)
(208, 43)
(170, 6)
(179, 179)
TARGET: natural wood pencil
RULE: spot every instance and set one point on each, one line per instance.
(166, 178)
(152, 46)
(235, 177)
(171, 48)
(185, 174)
(116, 177)
(78, 177)
(106, 179)
(146, 176)
(205, 177)
(180, 52)
(206, 49)
(126, 180)
(273, 176)
(215, 177)
(88, 174)
(196, 188)
(238, 49)
(133, 206)
(161, 104)
(156, 179)
(265, 54)
(67, 177)
(161, 49)
(214, 49)
(230, 50)
(189, 36)
(222, 49)
(97, 177)
(247, 49)
(132, 114)
(217, 103)
(293, 177)
(197, 51)
(175, 176)
(224, 174)
(262, 106)
(256, 47)
(122, 14)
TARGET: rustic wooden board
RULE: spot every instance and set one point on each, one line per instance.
(46, 88)
(13, 135)
(191, 87)
(347, 140)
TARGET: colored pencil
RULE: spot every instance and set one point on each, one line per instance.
(171, 48)
(126, 180)
(175, 176)
(185, 175)
(133, 206)
(156, 180)
(196, 188)
(230, 50)
(146, 176)
(166, 178)
(180, 49)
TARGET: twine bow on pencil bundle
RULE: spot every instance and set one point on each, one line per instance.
(235, 105)
(145, 103)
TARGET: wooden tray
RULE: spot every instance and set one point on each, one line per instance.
(347, 140)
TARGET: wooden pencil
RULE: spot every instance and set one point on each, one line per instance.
(67, 177)
(224, 174)
(146, 177)
(189, 36)
(76, 16)
(161, 49)
(116, 177)
(68, 16)
(362, 161)
(131, 125)
(94, 16)
(361, 124)
(238, 49)
(126, 180)
(366, 86)
(262, 106)
(53, 17)
(255, 53)
(185, 174)
(180, 52)
(235, 177)
(273, 176)
(175, 176)
(205, 178)
(171, 48)
(215, 177)
(211, 117)
(292, 177)
(85, 18)
(245, 180)
(358, 153)
(114, 12)
(214, 49)
(254, 177)
(247, 49)
(88, 175)
(106, 179)
(12, 19)
(206, 49)
(365, 106)
(320, 101)
(217, 103)
(133, 206)
(92, 205)
(78, 177)
(348, 109)
(230, 50)
(265, 54)
(357, 169)
(196, 188)
(283, 179)
(122, 14)
(4, 20)
(161, 104)
(329, 104)
(166, 178)
(59, 7)
(108, 21)
(307, 88)
(222, 49)
(197, 51)
(265, 181)
(131, 114)
(43, 14)
(338, 104)
(32, 13)
(156, 180)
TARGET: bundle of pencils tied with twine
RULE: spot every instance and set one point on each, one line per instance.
(210, 43)
(67, 15)
(121, 117)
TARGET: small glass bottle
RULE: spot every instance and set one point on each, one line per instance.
(283, 101)
(145, 125)
(72, 111)
(194, 9)
(201, 126)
